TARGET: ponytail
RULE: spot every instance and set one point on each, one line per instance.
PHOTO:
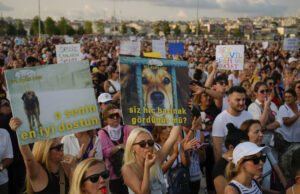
(231, 171)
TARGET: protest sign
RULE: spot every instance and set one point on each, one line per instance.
(52, 100)
(152, 54)
(132, 38)
(230, 57)
(160, 47)
(154, 92)
(69, 39)
(130, 48)
(19, 41)
(290, 44)
(265, 44)
(176, 48)
(67, 53)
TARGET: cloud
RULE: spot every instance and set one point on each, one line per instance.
(252, 7)
(203, 4)
(5, 7)
(181, 14)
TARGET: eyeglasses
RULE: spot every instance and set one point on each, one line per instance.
(95, 177)
(143, 143)
(257, 159)
(114, 115)
(271, 83)
(264, 91)
(58, 147)
(298, 87)
(5, 104)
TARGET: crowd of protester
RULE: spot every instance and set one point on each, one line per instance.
(243, 139)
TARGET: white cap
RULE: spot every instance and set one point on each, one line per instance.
(247, 149)
(292, 59)
(104, 97)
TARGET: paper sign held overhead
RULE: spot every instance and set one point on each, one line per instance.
(67, 53)
(230, 57)
(176, 48)
(160, 47)
(290, 44)
(130, 48)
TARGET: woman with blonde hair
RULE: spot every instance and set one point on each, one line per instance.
(142, 163)
(46, 165)
(90, 176)
(247, 162)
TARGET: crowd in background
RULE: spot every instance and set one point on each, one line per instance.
(243, 138)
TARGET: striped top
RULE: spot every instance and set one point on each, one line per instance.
(245, 190)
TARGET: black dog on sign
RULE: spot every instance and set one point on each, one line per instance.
(31, 108)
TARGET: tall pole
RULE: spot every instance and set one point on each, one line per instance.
(39, 19)
(114, 16)
(197, 23)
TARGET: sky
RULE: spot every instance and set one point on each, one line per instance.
(173, 10)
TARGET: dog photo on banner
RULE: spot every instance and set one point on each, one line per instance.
(154, 91)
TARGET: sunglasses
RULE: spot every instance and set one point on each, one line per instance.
(95, 177)
(264, 91)
(143, 143)
(108, 102)
(257, 159)
(271, 83)
(222, 83)
(5, 104)
(298, 87)
(58, 147)
(114, 115)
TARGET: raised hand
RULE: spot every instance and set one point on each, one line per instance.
(15, 123)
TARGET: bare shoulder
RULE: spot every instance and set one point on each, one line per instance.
(231, 190)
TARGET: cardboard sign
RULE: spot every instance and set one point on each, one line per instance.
(68, 39)
(265, 44)
(176, 48)
(290, 44)
(132, 38)
(52, 100)
(154, 92)
(130, 48)
(19, 41)
(230, 57)
(160, 47)
(152, 55)
(67, 53)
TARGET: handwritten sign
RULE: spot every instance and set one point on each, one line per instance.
(67, 53)
(230, 57)
(160, 47)
(52, 101)
(130, 48)
(19, 41)
(68, 39)
(290, 44)
(265, 44)
(176, 48)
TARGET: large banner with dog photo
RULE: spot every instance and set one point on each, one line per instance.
(52, 100)
(154, 92)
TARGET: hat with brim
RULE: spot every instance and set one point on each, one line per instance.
(247, 149)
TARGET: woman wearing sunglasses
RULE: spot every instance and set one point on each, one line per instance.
(113, 138)
(90, 176)
(252, 128)
(47, 169)
(264, 110)
(247, 162)
(142, 164)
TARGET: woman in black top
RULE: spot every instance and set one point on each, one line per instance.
(43, 165)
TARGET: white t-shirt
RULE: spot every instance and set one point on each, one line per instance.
(72, 147)
(225, 103)
(219, 128)
(290, 133)
(6, 151)
(235, 81)
(255, 110)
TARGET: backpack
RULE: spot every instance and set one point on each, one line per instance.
(117, 158)
(178, 180)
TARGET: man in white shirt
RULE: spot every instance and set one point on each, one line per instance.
(235, 114)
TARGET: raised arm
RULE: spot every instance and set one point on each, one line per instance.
(166, 148)
(211, 76)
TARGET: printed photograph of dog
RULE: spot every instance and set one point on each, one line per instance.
(157, 92)
(31, 108)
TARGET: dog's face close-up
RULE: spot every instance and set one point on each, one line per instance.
(28, 95)
(157, 89)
